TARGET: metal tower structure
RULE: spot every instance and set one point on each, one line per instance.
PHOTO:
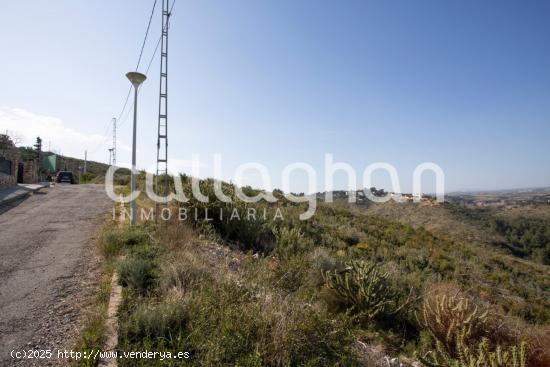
(113, 160)
(162, 135)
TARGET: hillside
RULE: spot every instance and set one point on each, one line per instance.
(350, 286)
(521, 229)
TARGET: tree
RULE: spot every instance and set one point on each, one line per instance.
(38, 146)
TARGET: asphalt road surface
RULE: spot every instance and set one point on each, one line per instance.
(45, 253)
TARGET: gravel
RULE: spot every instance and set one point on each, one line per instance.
(48, 269)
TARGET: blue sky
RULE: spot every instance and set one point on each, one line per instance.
(464, 84)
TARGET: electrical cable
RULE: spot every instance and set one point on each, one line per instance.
(139, 58)
(137, 67)
(121, 122)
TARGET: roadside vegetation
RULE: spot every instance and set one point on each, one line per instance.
(343, 288)
(92, 336)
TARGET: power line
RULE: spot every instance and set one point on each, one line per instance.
(153, 57)
(121, 122)
(160, 38)
(146, 34)
(139, 58)
(102, 144)
(137, 66)
(114, 142)
(108, 128)
(125, 102)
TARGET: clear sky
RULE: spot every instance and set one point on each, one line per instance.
(464, 84)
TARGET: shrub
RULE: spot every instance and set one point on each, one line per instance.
(110, 243)
(154, 322)
(92, 336)
(138, 274)
(301, 335)
(86, 177)
(185, 273)
(123, 180)
(291, 272)
(289, 242)
(225, 323)
(134, 235)
(466, 334)
(513, 356)
(235, 325)
(538, 340)
(453, 317)
(147, 252)
(233, 221)
(115, 239)
(323, 261)
(361, 287)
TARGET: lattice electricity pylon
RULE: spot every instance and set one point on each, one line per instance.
(162, 135)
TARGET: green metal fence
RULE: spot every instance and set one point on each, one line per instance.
(49, 163)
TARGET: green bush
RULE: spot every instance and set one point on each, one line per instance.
(232, 221)
(360, 287)
(222, 322)
(86, 178)
(138, 274)
(184, 273)
(465, 334)
(155, 322)
(452, 319)
(115, 239)
(291, 272)
(481, 355)
(290, 242)
(134, 235)
(110, 243)
(234, 325)
(525, 237)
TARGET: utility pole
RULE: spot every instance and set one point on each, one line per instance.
(162, 132)
(136, 79)
(110, 156)
(113, 162)
(85, 160)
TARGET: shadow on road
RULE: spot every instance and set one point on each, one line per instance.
(13, 204)
(6, 207)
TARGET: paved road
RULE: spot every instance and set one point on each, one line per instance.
(44, 249)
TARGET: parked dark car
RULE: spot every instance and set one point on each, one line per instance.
(65, 176)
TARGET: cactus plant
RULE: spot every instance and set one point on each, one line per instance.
(361, 287)
(460, 331)
(513, 356)
(454, 319)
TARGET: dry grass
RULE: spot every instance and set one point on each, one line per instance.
(232, 307)
(228, 313)
(92, 335)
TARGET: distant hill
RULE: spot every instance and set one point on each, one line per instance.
(518, 227)
(543, 189)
